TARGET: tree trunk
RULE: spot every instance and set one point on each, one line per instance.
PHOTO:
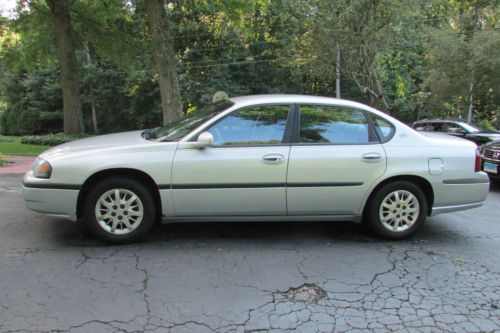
(470, 101)
(72, 106)
(468, 38)
(163, 48)
(91, 94)
(369, 82)
(337, 72)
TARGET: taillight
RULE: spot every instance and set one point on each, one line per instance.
(477, 164)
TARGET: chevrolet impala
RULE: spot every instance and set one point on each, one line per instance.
(260, 158)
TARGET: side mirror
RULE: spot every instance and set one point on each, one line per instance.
(205, 139)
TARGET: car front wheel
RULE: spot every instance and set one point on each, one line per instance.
(119, 210)
(397, 210)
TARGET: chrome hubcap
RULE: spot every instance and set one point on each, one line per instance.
(399, 210)
(119, 211)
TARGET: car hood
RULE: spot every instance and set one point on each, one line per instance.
(99, 144)
(493, 144)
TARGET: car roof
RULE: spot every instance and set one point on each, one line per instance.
(289, 98)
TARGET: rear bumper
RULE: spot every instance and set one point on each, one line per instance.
(495, 162)
(54, 202)
(460, 194)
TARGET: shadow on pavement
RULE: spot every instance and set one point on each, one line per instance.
(269, 233)
(495, 186)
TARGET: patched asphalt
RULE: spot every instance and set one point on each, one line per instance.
(245, 277)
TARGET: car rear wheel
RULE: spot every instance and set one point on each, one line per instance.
(119, 210)
(397, 210)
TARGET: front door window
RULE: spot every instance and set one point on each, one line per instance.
(258, 125)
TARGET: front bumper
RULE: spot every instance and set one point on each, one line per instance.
(58, 202)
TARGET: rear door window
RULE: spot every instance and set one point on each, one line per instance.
(333, 124)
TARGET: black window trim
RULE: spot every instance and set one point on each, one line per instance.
(372, 133)
(287, 134)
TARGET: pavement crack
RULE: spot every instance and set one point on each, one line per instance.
(143, 290)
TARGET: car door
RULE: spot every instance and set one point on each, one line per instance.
(334, 159)
(243, 172)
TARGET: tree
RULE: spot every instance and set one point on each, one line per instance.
(72, 106)
(405, 57)
(355, 37)
(464, 64)
(469, 14)
(162, 42)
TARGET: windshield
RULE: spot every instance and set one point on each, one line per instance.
(177, 129)
(472, 128)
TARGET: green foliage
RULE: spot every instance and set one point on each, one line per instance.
(486, 124)
(50, 139)
(34, 103)
(2, 159)
(410, 58)
(465, 56)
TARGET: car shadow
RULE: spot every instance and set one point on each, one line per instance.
(495, 186)
(258, 233)
(75, 235)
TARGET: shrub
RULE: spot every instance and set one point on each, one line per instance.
(28, 121)
(51, 139)
(486, 124)
(8, 120)
(2, 160)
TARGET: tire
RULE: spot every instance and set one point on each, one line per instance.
(123, 221)
(395, 219)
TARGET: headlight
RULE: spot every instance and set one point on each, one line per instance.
(41, 168)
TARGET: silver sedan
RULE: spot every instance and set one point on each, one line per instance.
(253, 158)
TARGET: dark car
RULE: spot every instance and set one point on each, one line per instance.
(490, 154)
(458, 128)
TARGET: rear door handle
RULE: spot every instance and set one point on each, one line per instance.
(273, 158)
(371, 157)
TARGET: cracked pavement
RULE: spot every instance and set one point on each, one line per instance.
(249, 277)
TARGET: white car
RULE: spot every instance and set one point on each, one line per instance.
(252, 158)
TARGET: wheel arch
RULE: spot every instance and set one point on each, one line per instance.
(421, 182)
(138, 175)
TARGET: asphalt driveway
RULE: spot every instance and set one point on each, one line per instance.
(247, 277)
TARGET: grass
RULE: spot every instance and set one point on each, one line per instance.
(11, 145)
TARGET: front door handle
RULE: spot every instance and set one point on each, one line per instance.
(371, 157)
(273, 158)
